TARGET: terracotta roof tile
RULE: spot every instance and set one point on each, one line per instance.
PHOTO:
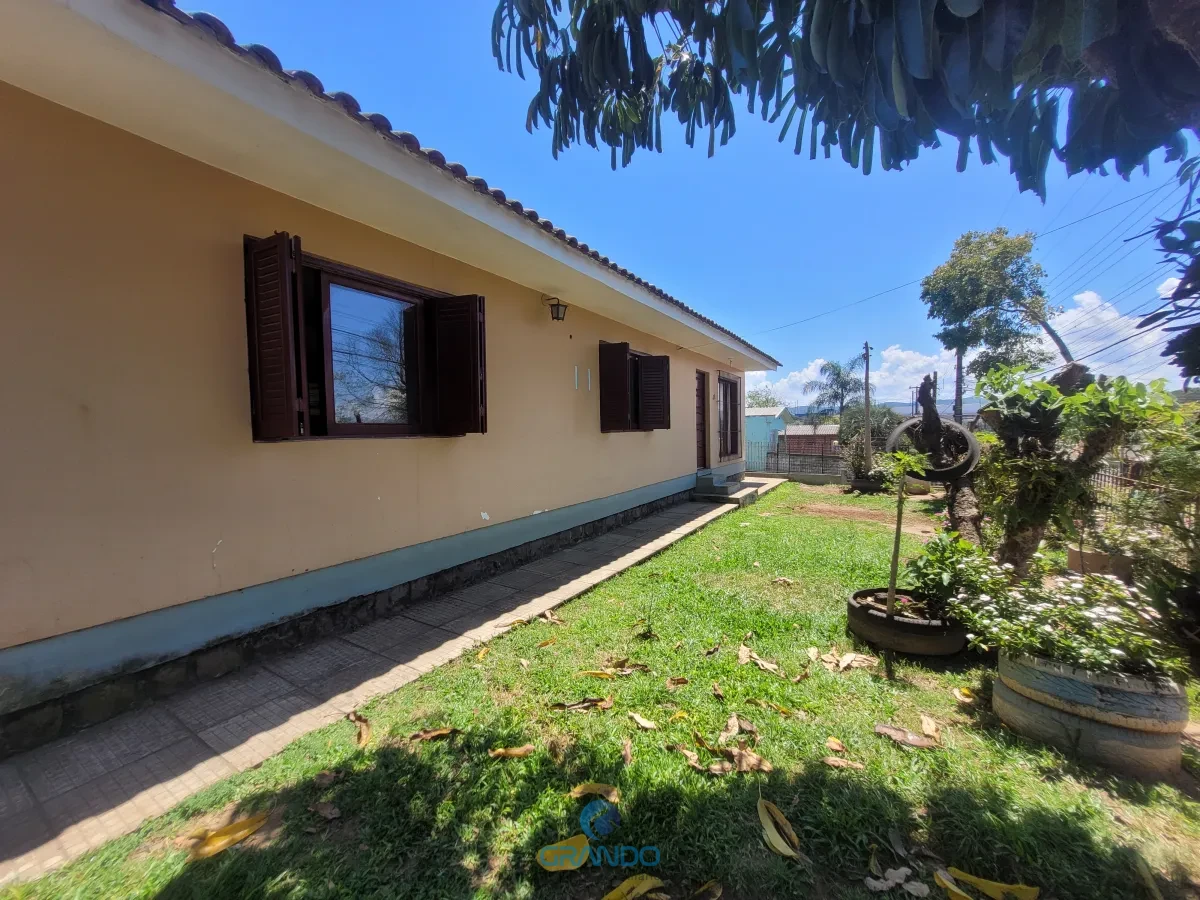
(266, 58)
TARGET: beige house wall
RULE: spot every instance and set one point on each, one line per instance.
(130, 482)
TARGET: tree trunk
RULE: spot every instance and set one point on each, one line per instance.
(1058, 341)
(1018, 548)
(962, 507)
(958, 386)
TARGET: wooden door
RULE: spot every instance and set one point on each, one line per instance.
(701, 420)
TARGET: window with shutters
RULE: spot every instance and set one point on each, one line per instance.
(337, 351)
(635, 389)
(729, 417)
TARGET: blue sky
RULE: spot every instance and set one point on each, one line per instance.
(755, 237)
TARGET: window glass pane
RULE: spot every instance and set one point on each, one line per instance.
(370, 368)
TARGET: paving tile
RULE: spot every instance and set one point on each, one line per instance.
(119, 801)
(520, 578)
(380, 635)
(357, 685)
(431, 649)
(207, 704)
(550, 565)
(485, 592)
(27, 847)
(14, 795)
(439, 611)
(251, 737)
(68, 763)
(317, 661)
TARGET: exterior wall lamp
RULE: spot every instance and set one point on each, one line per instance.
(558, 309)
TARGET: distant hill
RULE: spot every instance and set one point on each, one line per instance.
(971, 405)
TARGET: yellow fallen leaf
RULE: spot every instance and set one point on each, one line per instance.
(515, 622)
(607, 791)
(710, 890)
(643, 723)
(782, 710)
(432, 734)
(679, 715)
(778, 831)
(835, 745)
(482, 653)
(565, 855)
(994, 889)
(547, 642)
(213, 842)
(634, 887)
(963, 696)
(945, 881)
(591, 673)
(511, 752)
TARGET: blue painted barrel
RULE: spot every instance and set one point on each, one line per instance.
(1128, 724)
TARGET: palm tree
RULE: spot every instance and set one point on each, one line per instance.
(838, 385)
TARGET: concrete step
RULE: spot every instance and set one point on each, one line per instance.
(744, 493)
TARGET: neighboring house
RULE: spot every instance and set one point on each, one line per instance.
(811, 440)
(253, 371)
(765, 424)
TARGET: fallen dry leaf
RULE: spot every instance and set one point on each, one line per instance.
(325, 778)
(813, 654)
(547, 643)
(746, 760)
(730, 730)
(717, 691)
(210, 843)
(778, 831)
(678, 644)
(747, 727)
(801, 677)
(764, 664)
(930, 728)
(705, 745)
(756, 564)
(363, 734)
(678, 715)
(963, 696)
(326, 810)
(692, 758)
(720, 768)
(904, 736)
(511, 752)
(863, 662)
(743, 655)
(676, 682)
(897, 843)
(643, 723)
(995, 889)
(713, 649)
(514, 623)
(743, 524)
(634, 887)
(784, 580)
(550, 616)
(607, 791)
(710, 890)
(845, 661)
(627, 751)
(433, 734)
(482, 653)
(524, 663)
(585, 704)
(835, 745)
(595, 674)
(839, 762)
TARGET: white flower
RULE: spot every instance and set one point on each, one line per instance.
(1115, 652)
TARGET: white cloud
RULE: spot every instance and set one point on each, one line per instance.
(791, 386)
(1110, 343)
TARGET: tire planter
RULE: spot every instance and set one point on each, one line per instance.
(921, 637)
(865, 485)
(1128, 724)
(1099, 563)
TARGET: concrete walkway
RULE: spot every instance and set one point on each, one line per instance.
(61, 800)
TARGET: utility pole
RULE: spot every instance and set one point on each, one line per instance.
(958, 387)
(935, 387)
(867, 405)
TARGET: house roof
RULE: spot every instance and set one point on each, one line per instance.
(401, 142)
(769, 411)
(801, 429)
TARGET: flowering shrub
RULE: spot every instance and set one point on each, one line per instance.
(950, 566)
(1094, 622)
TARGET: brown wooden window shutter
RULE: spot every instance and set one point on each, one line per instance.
(654, 392)
(614, 387)
(458, 364)
(277, 394)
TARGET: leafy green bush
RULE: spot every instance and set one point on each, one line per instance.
(1091, 621)
(951, 566)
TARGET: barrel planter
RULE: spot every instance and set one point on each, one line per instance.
(921, 637)
(1131, 725)
(1097, 562)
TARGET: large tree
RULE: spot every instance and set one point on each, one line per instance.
(839, 384)
(762, 398)
(989, 294)
(874, 76)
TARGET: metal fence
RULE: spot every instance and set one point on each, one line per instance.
(1115, 493)
(762, 456)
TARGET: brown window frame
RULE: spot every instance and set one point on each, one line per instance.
(728, 431)
(380, 287)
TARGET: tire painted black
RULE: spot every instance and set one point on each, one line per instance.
(920, 637)
(952, 473)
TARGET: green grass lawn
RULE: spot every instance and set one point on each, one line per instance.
(441, 819)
